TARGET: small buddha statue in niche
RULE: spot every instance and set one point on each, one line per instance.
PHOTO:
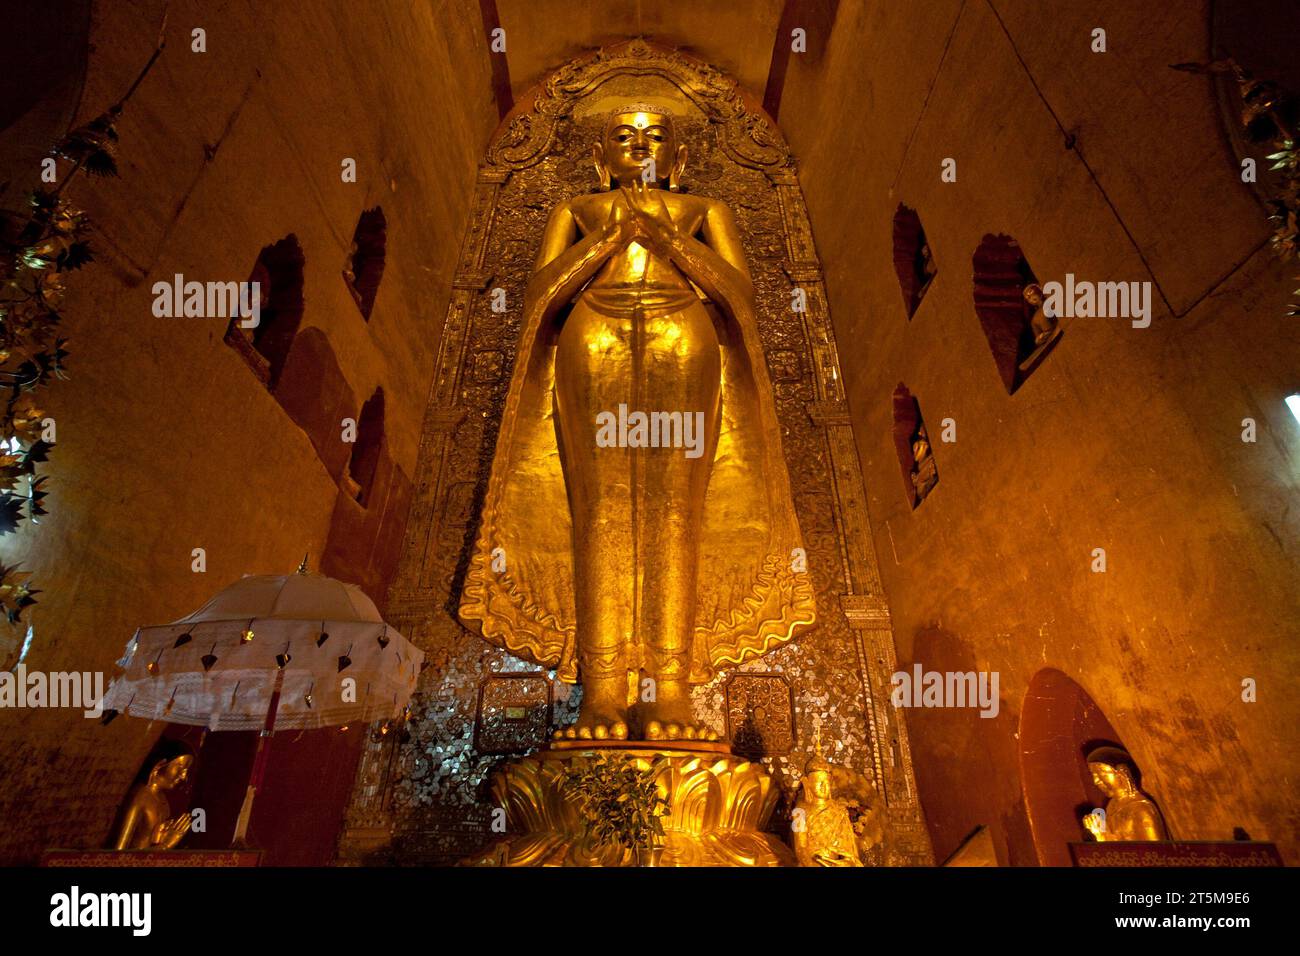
(145, 821)
(924, 473)
(1042, 323)
(350, 275)
(926, 270)
(1129, 813)
(822, 830)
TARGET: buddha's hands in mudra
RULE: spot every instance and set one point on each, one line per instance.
(649, 220)
(170, 832)
(623, 225)
(1095, 823)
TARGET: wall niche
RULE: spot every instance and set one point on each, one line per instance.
(1059, 722)
(365, 265)
(360, 478)
(1009, 302)
(265, 347)
(913, 259)
(912, 443)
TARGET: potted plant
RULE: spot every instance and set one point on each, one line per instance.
(620, 805)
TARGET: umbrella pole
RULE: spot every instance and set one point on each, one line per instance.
(260, 757)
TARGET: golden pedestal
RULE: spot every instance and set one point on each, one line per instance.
(719, 805)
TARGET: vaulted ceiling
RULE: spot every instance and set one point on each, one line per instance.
(735, 35)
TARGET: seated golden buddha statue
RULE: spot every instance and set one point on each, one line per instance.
(146, 821)
(1129, 813)
(822, 831)
(638, 532)
(925, 474)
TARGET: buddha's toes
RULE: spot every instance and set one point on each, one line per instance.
(679, 730)
(594, 726)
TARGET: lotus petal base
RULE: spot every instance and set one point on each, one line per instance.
(719, 803)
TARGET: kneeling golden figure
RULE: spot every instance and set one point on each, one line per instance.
(638, 532)
(1129, 813)
(145, 824)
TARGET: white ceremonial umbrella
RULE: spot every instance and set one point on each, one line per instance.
(269, 651)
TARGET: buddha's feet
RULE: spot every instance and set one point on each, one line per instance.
(595, 724)
(673, 721)
(679, 730)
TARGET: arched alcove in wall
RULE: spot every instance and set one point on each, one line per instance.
(1059, 723)
(278, 274)
(365, 452)
(1002, 274)
(912, 443)
(365, 266)
(913, 259)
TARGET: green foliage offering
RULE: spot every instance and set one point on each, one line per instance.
(1269, 114)
(1269, 117)
(37, 252)
(39, 248)
(620, 805)
(15, 595)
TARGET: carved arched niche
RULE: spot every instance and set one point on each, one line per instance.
(435, 782)
(1059, 724)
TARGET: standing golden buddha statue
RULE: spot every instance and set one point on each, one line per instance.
(638, 531)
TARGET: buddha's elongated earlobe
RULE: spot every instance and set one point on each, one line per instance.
(601, 170)
(675, 174)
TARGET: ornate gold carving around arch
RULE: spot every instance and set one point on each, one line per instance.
(426, 798)
(749, 137)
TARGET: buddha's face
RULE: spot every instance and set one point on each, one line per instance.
(1110, 780)
(818, 785)
(174, 772)
(632, 139)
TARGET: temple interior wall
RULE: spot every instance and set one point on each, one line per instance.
(166, 439)
(1124, 439)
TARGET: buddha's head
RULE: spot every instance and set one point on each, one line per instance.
(635, 137)
(168, 774)
(1112, 771)
(817, 779)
